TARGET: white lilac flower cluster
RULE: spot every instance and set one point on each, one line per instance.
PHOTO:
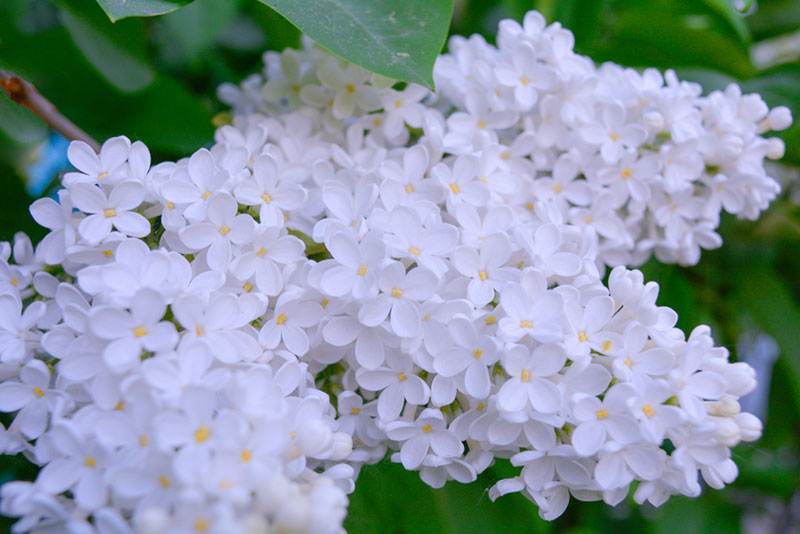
(357, 268)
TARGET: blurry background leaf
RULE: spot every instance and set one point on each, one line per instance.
(117, 51)
(396, 39)
(118, 9)
(20, 123)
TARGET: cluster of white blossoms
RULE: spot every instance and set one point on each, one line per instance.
(359, 268)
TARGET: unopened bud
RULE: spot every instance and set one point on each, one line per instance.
(779, 118)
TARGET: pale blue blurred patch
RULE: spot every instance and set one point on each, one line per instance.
(760, 351)
(50, 158)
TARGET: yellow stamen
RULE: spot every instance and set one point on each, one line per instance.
(491, 319)
(409, 188)
(427, 316)
(401, 376)
(226, 484)
(281, 319)
(377, 121)
(247, 287)
(164, 481)
(524, 80)
(140, 331)
(90, 462)
(397, 292)
(480, 406)
(482, 125)
(144, 441)
(529, 206)
(201, 525)
(225, 229)
(602, 414)
(206, 195)
(246, 456)
(102, 175)
(325, 303)
(427, 429)
(14, 281)
(108, 253)
(202, 434)
(505, 155)
(354, 411)
(199, 331)
(350, 88)
(482, 275)
(120, 406)
(628, 362)
(525, 376)
(557, 188)
(414, 251)
(362, 270)
(606, 345)
(648, 410)
(261, 252)
(398, 103)
(38, 392)
(626, 173)
(170, 205)
(613, 136)
(454, 188)
(266, 198)
(291, 434)
(477, 354)
(588, 219)
(582, 337)
(110, 212)
(526, 324)
(673, 207)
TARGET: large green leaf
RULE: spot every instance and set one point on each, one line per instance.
(396, 39)
(116, 51)
(119, 9)
(764, 296)
(20, 123)
(390, 500)
(193, 30)
(657, 33)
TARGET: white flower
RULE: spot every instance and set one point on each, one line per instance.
(473, 353)
(266, 190)
(32, 396)
(396, 383)
(528, 386)
(611, 133)
(399, 299)
(112, 211)
(290, 318)
(107, 167)
(223, 228)
(428, 432)
(131, 333)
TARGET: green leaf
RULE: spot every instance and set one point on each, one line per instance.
(19, 123)
(660, 33)
(765, 296)
(210, 15)
(119, 9)
(116, 51)
(388, 500)
(400, 40)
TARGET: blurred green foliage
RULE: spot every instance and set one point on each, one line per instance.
(154, 79)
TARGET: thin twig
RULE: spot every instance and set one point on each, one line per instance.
(25, 94)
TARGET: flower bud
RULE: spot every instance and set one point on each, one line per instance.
(777, 148)
(779, 118)
(653, 121)
(342, 446)
(727, 431)
(750, 426)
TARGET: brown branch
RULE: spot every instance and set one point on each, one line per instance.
(25, 94)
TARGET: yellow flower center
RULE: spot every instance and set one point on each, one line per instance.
(401, 376)
(266, 198)
(140, 331)
(202, 434)
(281, 319)
(90, 462)
(354, 411)
(606, 345)
(246, 456)
(648, 410)
(582, 337)
(362, 270)
(491, 319)
(164, 481)
(482, 275)
(38, 392)
(427, 429)
(525, 376)
(102, 175)
(110, 212)
(144, 441)
(525, 324)
(477, 354)
(414, 251)
(454, 188)
(409, 188)
(225, 229)
(602, 414)
(397, 292)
